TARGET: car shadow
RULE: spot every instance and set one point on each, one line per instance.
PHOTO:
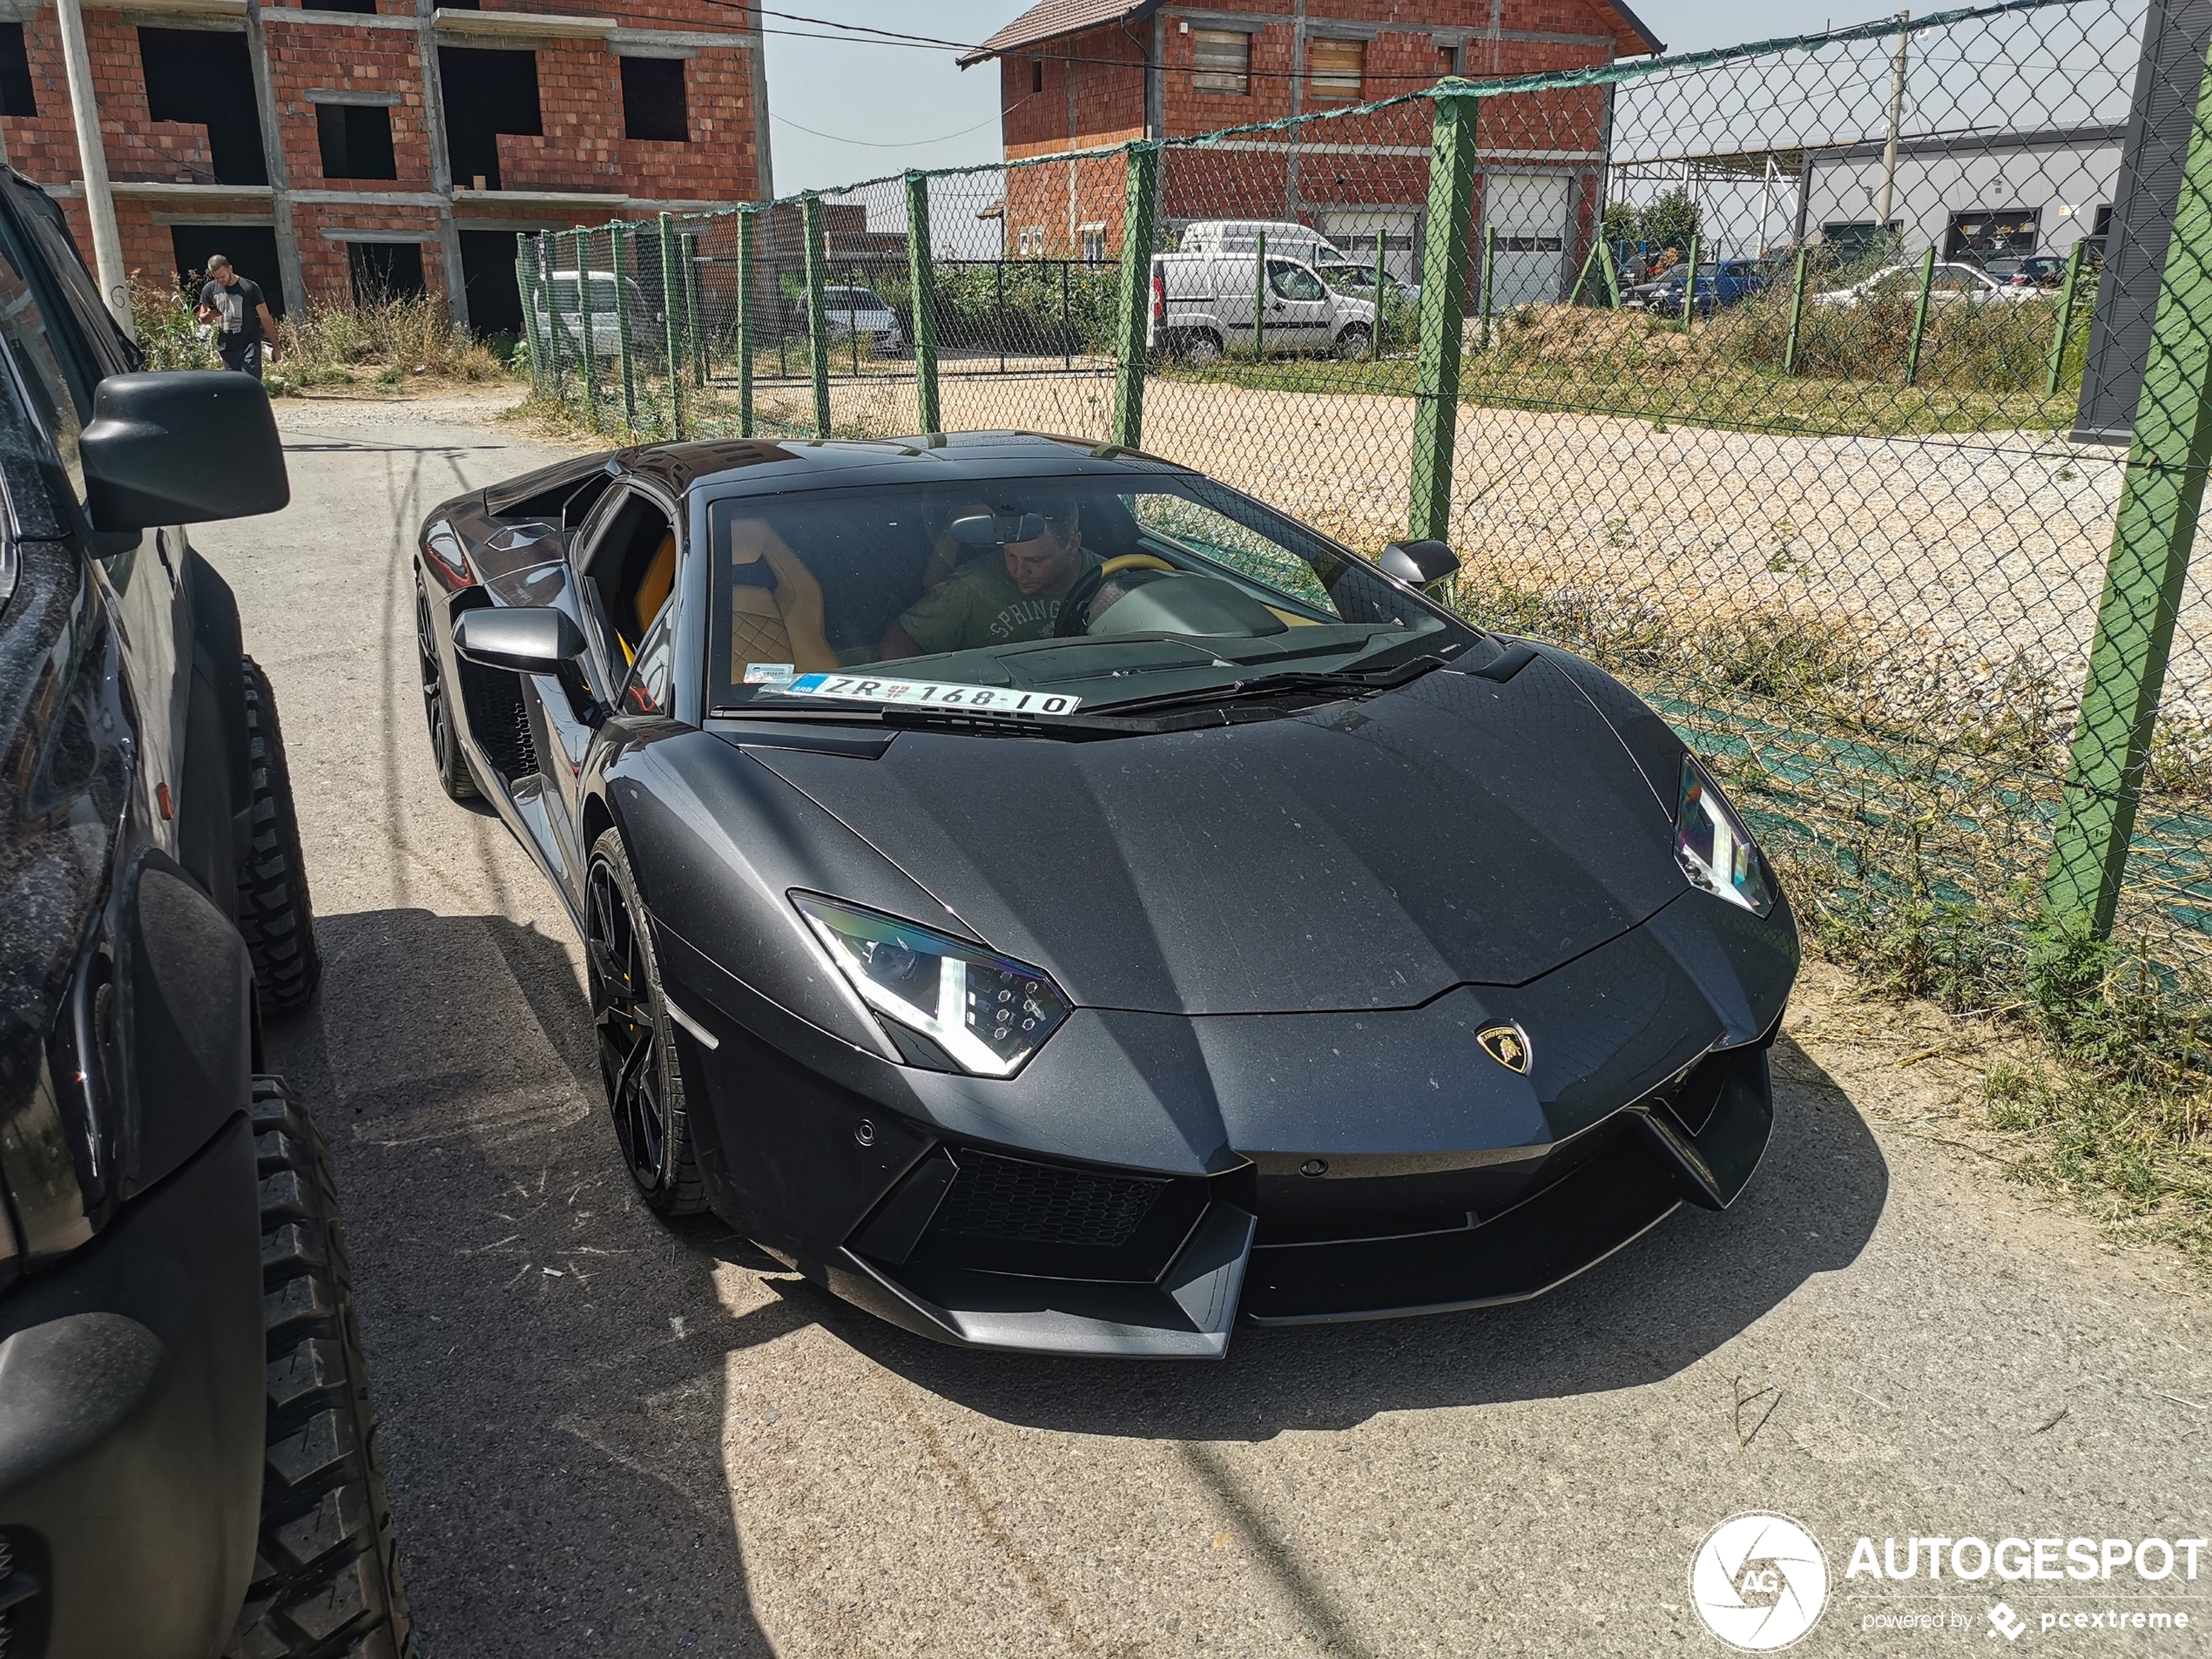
(1667, 1301)
(548, 1359)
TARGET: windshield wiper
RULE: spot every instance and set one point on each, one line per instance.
(907, 715)
(1348, 681)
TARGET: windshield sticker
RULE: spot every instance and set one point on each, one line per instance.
(769, 673)
(931, 694)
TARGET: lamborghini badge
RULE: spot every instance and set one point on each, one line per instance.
(1508, 1045)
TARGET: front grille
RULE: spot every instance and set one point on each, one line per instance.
(1043, 1204)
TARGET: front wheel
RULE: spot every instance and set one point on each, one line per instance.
(638, 1057)
(437, 706)
(1355, 342)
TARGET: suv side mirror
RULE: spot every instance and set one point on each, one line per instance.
(1419, 564)
(181, 447)
(534, 639)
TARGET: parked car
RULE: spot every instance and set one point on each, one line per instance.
(1203, 305)
(2036, 271)
(558, 299)
(1238, 934)
(187, 1464)
(1728, 282)
(1286, 237)
(1359, 279)
(849, 310)
(1950, 283)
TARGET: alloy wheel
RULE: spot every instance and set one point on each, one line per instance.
(628, 1026)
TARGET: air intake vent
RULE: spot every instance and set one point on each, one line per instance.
(1042, 1204)
(24, 1608)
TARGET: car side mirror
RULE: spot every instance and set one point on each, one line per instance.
(1420, 564)
(532, 639)
(181, 447)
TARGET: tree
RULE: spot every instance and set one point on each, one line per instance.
(1670, 221)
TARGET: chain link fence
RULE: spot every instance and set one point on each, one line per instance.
(1794, 383)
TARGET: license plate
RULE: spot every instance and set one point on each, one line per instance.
(931, 694)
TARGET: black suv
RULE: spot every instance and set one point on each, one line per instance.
(187, 1465)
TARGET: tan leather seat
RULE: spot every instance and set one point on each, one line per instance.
(653, 588)
(775, 604)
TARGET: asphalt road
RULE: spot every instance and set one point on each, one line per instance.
(605, 1438)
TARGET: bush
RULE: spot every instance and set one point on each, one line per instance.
(403, 336)
(167, 328)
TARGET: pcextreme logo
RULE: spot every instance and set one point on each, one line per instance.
(1759, 1582)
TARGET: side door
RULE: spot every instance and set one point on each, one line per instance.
(1300, 316)
(626, 566)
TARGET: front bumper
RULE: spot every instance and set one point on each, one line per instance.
(1148, 1176)
(132, 1413)
(982, 1250)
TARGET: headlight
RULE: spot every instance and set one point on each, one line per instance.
(989, 1014)
(1715, 850)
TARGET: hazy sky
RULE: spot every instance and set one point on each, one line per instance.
(885, 108)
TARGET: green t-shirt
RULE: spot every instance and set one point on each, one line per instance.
(980, 606)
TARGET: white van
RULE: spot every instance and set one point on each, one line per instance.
(1291, 240)
(566, 294)
(1201, 307)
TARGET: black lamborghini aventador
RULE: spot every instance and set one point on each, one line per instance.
(1061, 903)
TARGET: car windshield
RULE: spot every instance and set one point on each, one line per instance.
(1057, 594)
(852, 300)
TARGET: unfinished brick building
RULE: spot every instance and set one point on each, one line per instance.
(343, 147)
(1075, 74)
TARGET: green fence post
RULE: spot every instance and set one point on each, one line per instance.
(620, 266)
(1690, 284)
(587, 321)
(1919, 318)
(1259, 297)
(921, 284)
(1443, 312)
(748, 227)
(694, 310)
(1796, 311)
(1612, 274)
(671, 300)
(1489, 275)
(817, 324)
(2053, 369)
(1582, 276)
(1375, 337)
(1139, 200)
(530, 341)
(551, 291)
(2159, 505)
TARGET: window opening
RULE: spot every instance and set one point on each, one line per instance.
(487, 93)
(356, 140)
(203, 78)
(652, 100)
(1223, 60)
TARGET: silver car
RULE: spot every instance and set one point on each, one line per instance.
(851, 311)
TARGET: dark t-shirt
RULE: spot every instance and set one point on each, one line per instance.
(979, 607)
(236, 308)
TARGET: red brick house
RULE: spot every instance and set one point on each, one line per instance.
(345, 144)
(1077, 74)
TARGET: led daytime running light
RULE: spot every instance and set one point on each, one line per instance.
(1716, 851)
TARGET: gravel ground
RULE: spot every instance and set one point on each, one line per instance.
(604, 1438)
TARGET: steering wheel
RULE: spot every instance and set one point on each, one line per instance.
(1077, 604)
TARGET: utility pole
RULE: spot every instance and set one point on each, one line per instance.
(1897, 124)
(99, 201)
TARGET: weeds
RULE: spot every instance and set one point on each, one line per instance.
(398, 338)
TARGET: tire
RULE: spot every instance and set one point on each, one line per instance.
(437, 706)
(1202, 348)
(325, 1577)
(1355, 342)
(275, 913)
(638, 1056)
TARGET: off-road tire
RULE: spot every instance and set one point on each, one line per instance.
(325, 1580)
(274, 913)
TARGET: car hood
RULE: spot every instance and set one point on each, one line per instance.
(1372, 854)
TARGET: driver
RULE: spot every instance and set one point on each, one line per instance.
(996, 602)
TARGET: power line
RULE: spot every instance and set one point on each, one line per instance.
(900, 143)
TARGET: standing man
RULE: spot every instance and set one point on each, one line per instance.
(244, 332)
